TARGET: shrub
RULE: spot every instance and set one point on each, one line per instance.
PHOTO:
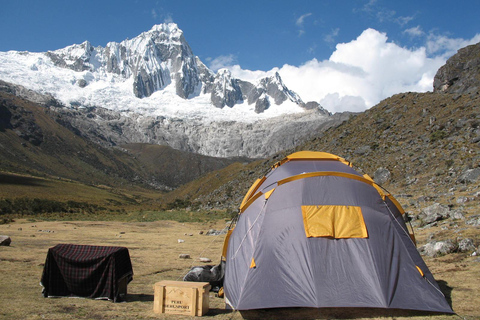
(437, 135)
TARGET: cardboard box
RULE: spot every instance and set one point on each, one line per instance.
(181, 297)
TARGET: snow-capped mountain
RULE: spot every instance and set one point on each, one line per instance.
(155, 73)
(156, 76)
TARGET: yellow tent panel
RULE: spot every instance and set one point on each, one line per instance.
(337, 222)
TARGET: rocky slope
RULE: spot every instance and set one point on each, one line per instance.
(423, 147)
(36, 140)
(216, 139)
(461, 73)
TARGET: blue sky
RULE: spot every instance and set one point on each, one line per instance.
(296, 38)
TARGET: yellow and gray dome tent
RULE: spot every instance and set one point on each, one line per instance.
(316, 233)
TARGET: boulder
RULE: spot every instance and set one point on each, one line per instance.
(438, 248)
(381, 175)
(457, 215)
(474, 221)
(469, 176)
(435, 212)
(466, 245)
(184, 256)
(5, 240)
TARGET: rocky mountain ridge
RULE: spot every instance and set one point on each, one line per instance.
(152, 89)
(161, 57)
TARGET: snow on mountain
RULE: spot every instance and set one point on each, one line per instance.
(153, 89)
(153, 74)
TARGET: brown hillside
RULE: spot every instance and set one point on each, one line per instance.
(38, 141)
(427, 141)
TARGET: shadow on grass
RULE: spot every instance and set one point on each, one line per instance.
(217, 311)
(19, 180)
(139, 297)
(331, 313)
(446, 290)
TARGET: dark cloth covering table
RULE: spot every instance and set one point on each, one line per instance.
(86, 271)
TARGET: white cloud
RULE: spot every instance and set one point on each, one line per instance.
(330, 38)
(300, 21)
(221, 62)
(402, 21)
(302, 18)
(364, 71)
(168, 18)
(445, 46)
(415, 31)
(154, 14)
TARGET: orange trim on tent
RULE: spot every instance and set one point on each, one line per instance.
(269, 193)
(311, 155)
(382, 193)
(252, 190)
(420, 270)
(336, 174)
(253, 264)
(396, 203)
(250, 201)
(225, 243)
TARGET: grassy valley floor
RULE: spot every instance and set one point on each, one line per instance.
(154, 249)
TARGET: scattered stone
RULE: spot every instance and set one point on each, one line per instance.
(201, 232)
(205, 260)
(411, 180)
(438, 248)
(474, 221)
(5, 240)
(381, 175)
(19, 229)
(469, 176)
(363, 150)
(82, 83)
(435, 212)
(466, 245)
(184, 256)
(462, 200)
(122, 232)
(428, 226)
(457, 215)
(213, 232)
(181, 241)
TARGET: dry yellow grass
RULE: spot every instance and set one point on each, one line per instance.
(154, 250)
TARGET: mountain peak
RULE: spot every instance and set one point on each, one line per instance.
(154, 73)
(166, 28)
(461, 72)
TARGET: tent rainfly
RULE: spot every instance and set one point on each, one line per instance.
(316, 233)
